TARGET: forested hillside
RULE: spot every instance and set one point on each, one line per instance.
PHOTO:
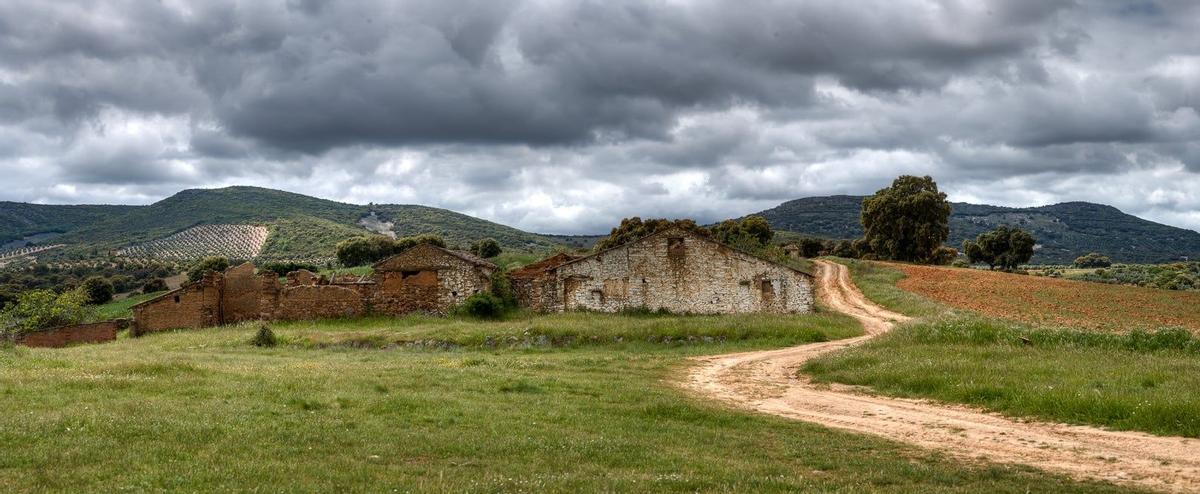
(1063, 231)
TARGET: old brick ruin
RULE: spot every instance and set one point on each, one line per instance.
(676, 270)
(425, 279)
(98, 332)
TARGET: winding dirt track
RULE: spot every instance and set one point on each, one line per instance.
(767, 381)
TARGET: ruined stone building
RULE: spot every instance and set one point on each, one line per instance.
(426, 279)
(676, 269)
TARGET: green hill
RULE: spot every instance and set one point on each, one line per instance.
(19, 220)
(1063, 231)
(300, 226)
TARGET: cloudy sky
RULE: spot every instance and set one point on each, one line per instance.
(564, 117)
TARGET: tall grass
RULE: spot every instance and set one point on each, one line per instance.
(1141, 380)
(206, 411)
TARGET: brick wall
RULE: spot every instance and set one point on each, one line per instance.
(195, 305)
(681, 272)
(318, 302)
(246, 295)
(67, 335)
(422, 279)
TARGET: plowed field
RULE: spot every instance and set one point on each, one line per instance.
(1051, 301)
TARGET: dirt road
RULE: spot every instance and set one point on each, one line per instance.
(767, 381)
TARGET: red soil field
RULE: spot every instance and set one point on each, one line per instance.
(1051, 301)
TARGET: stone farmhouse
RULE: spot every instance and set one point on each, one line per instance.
(675, 269)
(425, 279)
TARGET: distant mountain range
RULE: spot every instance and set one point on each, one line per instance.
(1063, 231)
(303, 227)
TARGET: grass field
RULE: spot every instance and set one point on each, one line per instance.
(119, 309)
(1144, 380)
(205, 411)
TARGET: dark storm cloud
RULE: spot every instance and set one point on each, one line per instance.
(566, 115)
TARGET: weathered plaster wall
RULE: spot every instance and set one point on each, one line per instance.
(681, 273)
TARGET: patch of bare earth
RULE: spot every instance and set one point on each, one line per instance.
(767, 381)
(1040, 300)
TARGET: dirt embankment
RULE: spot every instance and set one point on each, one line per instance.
(767, 381)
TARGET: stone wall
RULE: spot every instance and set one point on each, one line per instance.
(68, 335)
(681, 272)
(195, 305)
(427, 279)
(536, 285)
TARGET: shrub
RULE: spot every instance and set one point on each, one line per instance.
(810, 247)
(634, 228)
(97, 290)
(154, 285)
(203, 266)
(481, 306)
(944, 256)
(960, 263)
(42, 309)
(486, 248)
(282, 268)
(1092, 260)
(360, 251)
(1005, 247)
(264, 337)
(502, 289)
(749, 233)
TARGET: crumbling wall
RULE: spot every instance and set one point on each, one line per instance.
(536, 285)
(681, 272)
(68, 335)
(318, 302)
(195, 305)
(426, 279)
(241, 294)
(423, 279)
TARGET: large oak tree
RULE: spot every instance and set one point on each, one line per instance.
(907, 221)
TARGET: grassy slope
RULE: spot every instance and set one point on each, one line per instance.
(204, 411)
(19, 219)
(119, 309)
(1122, 381)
